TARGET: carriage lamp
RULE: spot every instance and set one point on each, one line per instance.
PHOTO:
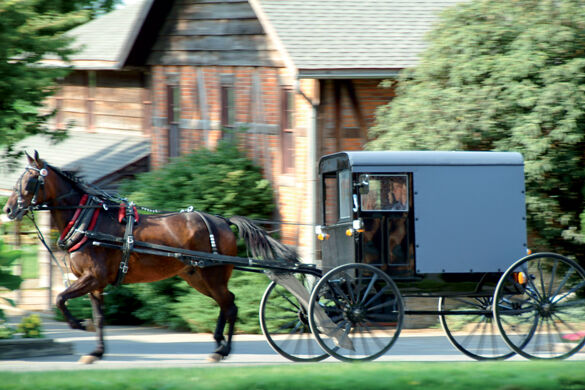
(357, 226)
(320, 234)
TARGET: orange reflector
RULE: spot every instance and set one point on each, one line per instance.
(349, 232)
(520, 277)
(528, 251)
(322, 236)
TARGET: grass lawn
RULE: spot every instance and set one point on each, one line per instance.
(323, 376)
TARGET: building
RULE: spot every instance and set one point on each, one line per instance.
(293, 80)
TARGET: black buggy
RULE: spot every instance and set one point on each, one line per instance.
(444, 225)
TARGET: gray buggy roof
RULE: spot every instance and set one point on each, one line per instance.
(361, 161)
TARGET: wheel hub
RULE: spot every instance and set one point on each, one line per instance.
(354, 314)
(546, 310)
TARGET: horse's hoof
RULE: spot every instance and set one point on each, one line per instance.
(215, 358)
(88, 325)
(88, 359)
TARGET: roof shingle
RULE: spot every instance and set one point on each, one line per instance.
(352, 34)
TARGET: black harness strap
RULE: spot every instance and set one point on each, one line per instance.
(128, 245)
(211, 236)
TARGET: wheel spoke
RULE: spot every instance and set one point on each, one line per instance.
(369, 288)
(553, 274)
(571, 291)
(377, 296)
(568, 274)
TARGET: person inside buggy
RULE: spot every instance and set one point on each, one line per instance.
(385, 215)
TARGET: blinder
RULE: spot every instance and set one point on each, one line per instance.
(31, 185)
(35, 183)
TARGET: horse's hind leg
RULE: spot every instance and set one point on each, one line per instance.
(212, 282)
(219, 328)
(229, 314)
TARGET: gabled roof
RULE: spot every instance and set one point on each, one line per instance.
(316, 38)
(106, 42)
(94, 156)
(325, 38)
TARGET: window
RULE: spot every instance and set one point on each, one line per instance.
(385, 192)
(337, 195)
(345, 194)
(228, 105)
(330, 201)
(287, 140)
(173, 117)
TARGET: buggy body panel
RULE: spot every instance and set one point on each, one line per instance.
(468, 208)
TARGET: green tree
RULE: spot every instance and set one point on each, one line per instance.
(31, 30)
(505, 75)
(7, 278)
(222, 182)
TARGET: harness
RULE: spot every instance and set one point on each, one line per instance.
(131, 216)
(80, 228)
(84, 219)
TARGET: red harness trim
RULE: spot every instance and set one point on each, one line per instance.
(92, 224)
(122, 213)
(82, 202)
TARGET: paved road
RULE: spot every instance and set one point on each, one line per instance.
(146, 347)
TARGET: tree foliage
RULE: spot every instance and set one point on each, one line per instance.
(31, 30)
(222, 182)
(505, 75)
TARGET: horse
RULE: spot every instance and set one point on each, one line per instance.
(44, 186)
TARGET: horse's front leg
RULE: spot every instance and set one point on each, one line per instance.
(84, 285)
(97, 302)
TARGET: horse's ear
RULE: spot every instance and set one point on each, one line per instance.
(38, 160)
(30, 159)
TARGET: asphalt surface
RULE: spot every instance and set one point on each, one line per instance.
(150, 347)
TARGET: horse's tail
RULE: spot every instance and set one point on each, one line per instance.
(259, 243)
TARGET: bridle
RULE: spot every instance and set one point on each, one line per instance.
(33, 185)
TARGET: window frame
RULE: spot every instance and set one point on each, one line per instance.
(287, 127)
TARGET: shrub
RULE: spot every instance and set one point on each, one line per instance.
(6, 332)
(31, 327)
(223, 182)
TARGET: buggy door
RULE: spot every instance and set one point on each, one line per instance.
(385, 209)
(337, 214)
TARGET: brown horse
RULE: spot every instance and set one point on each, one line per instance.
(95, 267)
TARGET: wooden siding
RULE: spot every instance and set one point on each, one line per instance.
(116, 103)
(213, 33)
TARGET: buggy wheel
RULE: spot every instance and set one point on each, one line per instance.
(356, 312)
(541, 306)
(285, 325)
(469, 326)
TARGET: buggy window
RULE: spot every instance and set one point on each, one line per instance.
(345, 194)
(337, 197)
(386, 193)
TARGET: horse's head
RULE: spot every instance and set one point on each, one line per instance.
(30, 189)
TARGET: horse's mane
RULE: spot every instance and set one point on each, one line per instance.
(82, 186)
